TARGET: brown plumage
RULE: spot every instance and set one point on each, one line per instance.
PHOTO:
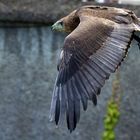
(98, 42)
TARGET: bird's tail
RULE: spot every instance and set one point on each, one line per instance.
(137, 38)
(136, 35)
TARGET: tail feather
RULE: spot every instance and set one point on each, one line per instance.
(137, 38)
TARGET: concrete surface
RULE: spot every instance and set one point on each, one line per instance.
(17, 12)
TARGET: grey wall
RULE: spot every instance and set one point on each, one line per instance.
(28, 58)
(17, 12)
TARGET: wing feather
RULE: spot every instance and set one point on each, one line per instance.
(91, 53)
(81, 92)
(57, 109)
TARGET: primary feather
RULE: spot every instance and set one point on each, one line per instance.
(98, 42)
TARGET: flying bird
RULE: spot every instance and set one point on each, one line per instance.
(97, 42)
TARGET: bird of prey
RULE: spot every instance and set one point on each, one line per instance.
(97, 42)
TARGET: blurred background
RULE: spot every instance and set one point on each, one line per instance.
(28, 56)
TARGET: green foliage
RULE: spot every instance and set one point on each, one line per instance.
(111, 120)
(113, 113)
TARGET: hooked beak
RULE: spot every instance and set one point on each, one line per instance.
(54, 26)
(58, 26)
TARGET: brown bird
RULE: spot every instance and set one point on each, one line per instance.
(98, 41)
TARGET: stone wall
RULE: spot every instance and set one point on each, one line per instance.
(15, 12)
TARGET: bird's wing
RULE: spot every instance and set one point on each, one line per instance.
(90, 54)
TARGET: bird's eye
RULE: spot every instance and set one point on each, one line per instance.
(61, 23)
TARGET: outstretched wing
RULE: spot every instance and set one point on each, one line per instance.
(90, 54)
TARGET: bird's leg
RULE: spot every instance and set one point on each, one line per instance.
(137, 38)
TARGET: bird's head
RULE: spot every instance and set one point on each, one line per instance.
(59, 26)
(67, 24)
